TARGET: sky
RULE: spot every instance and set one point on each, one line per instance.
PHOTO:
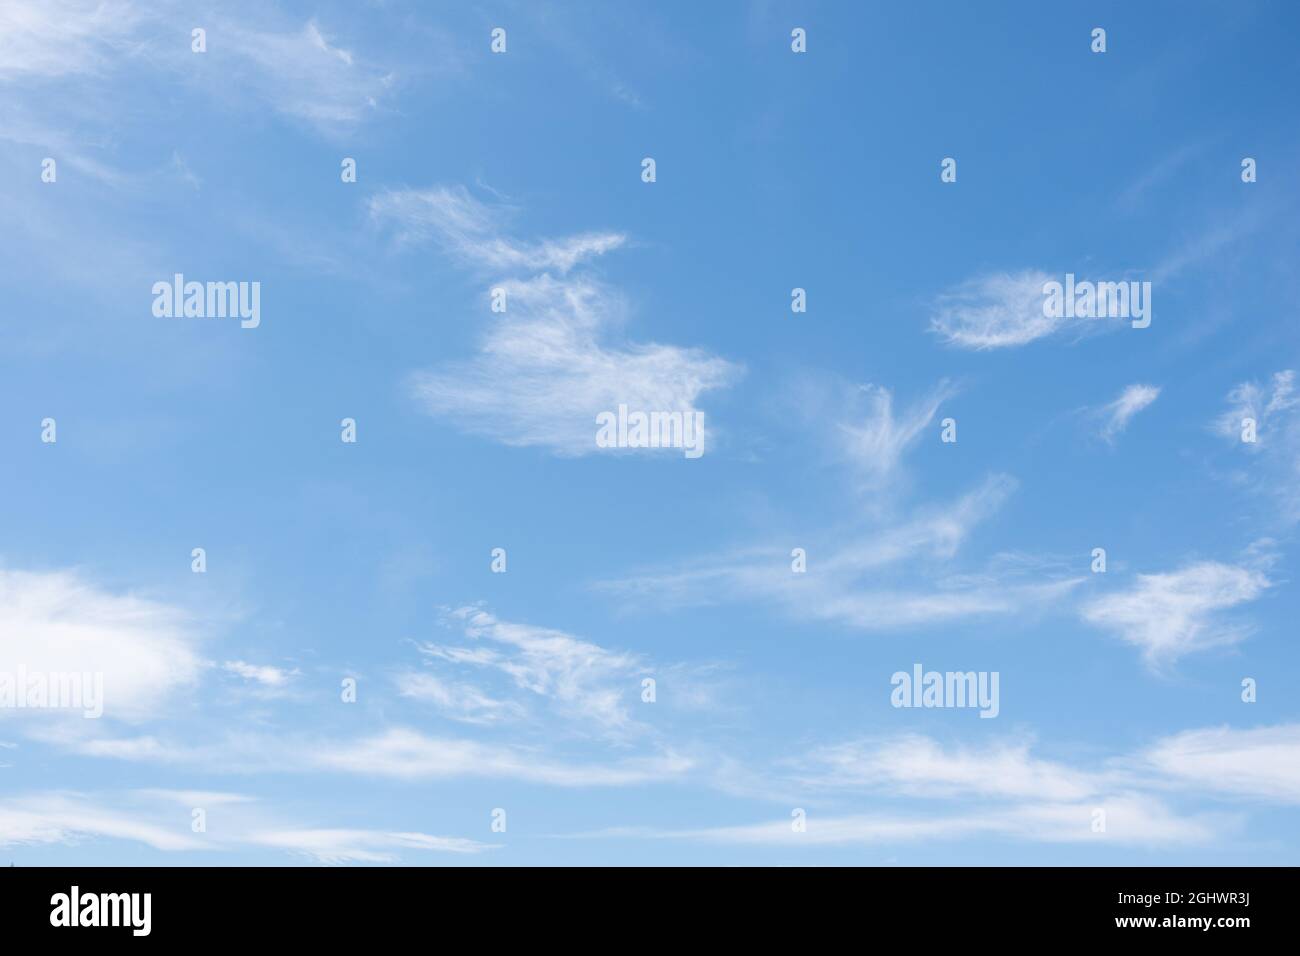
(361, 584)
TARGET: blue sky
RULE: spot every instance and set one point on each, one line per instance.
(522, 691)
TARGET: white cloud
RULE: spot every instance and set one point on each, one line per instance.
(361, 846)
(396, 752)
(859, 578)
(194, 798)
(568, 693)
(549, 680)
(68, 818)
(1262, 763)
(161, 819)
(1007, 792)
(551, 363)
(57, 622)
(999, 310)
(458, 700)
(75, 738)
(1273, 472)
(937, 534)
(404, 753)
(53, 38)
(1176, 613)
(1129, 820)
(580, 680)
(876, 441)
(882, 609)
(1118, 413)
(873, 570)
(474, 233)
(1268, 405)
(544, 372)
(917, 765)
(923, 791)
(1003, 310)
(264, 674)
(300, 72)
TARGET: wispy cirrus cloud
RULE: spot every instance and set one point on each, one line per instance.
(473, 232)
(913, 764)
(999, 310)
(300, 71)
(69, 72)
(552, 361)
(877, 572)
(1174, 613)
(871, 578)
(161, 819)
(335, 846)
(1130, 820)
(1272, 406)
(62, 817)
(457, 699)
(1116, 415)
(546, 370)
(295, 68)
(57, 38)
(944, 793)
(395, 751)
(1262, 421)
(922, 791)
(876, 438)
(405, 753)
(577, 681)
(266, 675)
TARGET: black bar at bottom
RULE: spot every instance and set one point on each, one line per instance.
(331, 906)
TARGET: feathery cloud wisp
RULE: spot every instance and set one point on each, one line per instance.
(1000, 310)
(473, 232)
(581, 683)
(265, 674)
(550, 363)
(876, 441)
(1175, 613)
(1118, 413)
